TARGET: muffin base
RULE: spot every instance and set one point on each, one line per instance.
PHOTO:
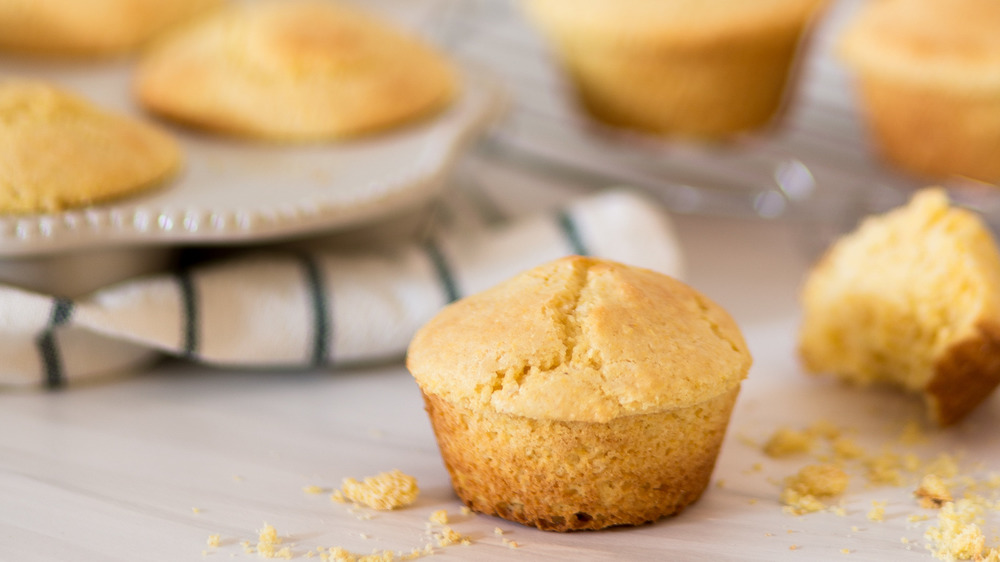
(701, 91)
(934, 133)
(565, 476)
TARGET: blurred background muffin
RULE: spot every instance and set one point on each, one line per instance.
(928, 73)
(91, 27)
(684, 67)
(294, 71)
(59, 151)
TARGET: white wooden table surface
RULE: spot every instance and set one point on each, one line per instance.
(117, 471)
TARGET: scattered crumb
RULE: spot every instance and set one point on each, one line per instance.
(802, 491)
(387, 490)
(285, 552)
(884, 469)
(933, 493)
(439, 517)
(509, 543)
(195, 510)
(237, 478)
(958, 535)
(338, 496)
(497, 531)
(825, 429)
(752, 501)
(944, 465)
(854, 529)
(917, 517)
(720, 483)
(465, 510)
(768, 534)
(844, 448)
(793, 547)
(449, 536)
(845, 551)
(877, 512)
(786, 441)
(312, 489)
(213, 541)
(267, 541)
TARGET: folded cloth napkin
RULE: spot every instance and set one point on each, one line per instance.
(310, 309)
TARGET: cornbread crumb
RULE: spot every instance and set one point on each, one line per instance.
(917, 517)
(312, 489)
(385, 491)
(855, 528)
(933, 493)
(285, 553)
(793, 547)
(497, 531)
(944, 465)
(267, 541)
(825, 429)
(958, 535)
(786, 441)
(195, 510)
(439, 517)
(884, 469)
(338, 497)
(877, 512)
(845, 551)
(465, 510)
(802, 491)
(720, 483)
(509, 543)
(213, 541)
(845, 448)
(449, 536)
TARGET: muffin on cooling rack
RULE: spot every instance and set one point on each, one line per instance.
(89, 27)
(679, 67)
(294, 70)
(59, 151)
(910, 299)
(928, 73)
(580, 394)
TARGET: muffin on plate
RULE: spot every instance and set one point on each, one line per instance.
(580, 394)
(928, 74)
(679, 67)
(911, 299)
(91, 27)
(59, 151)
(294, 70)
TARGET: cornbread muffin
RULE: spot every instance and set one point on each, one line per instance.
(59, 151)
(928, 74)
(293, 70)
(911, 299)
(580, 394)
(91, 27)
(684, 67)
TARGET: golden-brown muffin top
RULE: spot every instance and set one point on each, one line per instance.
(294, 70)
(89, 27)
(653, 21)
(58, 150)
(581, 339)
(943, 42)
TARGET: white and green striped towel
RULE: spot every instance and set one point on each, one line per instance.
(309, 310)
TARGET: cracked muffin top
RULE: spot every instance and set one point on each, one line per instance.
(580, 339)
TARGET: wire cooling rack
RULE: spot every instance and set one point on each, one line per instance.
(814, 164)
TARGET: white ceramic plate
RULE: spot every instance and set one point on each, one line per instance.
(231, 191)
